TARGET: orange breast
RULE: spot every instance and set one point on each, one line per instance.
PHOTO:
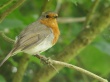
(52, 23)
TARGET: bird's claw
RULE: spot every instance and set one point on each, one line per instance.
(47, 61)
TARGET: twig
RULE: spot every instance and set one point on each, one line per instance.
(58, 6)
(43, 7)
(71, 20)
(46, 5)
(7, 3)
(9, 10)
(24, 61)
(63, 64)
(6, 38)
(80, 70)
(80, 63)
(91, 12)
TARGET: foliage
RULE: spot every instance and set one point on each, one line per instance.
(95, 57)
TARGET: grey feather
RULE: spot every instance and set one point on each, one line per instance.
(33, 34)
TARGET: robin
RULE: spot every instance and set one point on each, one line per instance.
(37, 37)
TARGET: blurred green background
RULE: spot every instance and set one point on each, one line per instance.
(95, 57)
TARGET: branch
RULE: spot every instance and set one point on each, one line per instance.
(79, 69)
(71, 20)
(24, 61)
(91, 12)
(58, 6)
(21, 68)
(6, 38)
(9, 10)
(86, 36)
(22, 64)
(7, 3)
(63, 64)
(46, 6)
(80, 63)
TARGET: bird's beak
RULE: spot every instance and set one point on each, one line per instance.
(56, 16)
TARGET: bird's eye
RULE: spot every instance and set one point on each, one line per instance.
(47, 16)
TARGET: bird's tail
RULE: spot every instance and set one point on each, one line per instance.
(11, 52)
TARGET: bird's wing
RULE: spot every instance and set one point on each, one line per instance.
(32, 36)
(29, 37)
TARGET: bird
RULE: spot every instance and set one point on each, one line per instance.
(37, 37)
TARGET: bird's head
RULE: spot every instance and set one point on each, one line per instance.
(49, 15)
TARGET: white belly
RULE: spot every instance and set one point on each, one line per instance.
(43, 46)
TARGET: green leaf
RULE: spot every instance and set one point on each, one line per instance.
(103, 46)
(2, 79)
(95, 60)
(11, 23)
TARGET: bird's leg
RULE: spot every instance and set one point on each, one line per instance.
(39, 56)
(43, 58)
(46, 61)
